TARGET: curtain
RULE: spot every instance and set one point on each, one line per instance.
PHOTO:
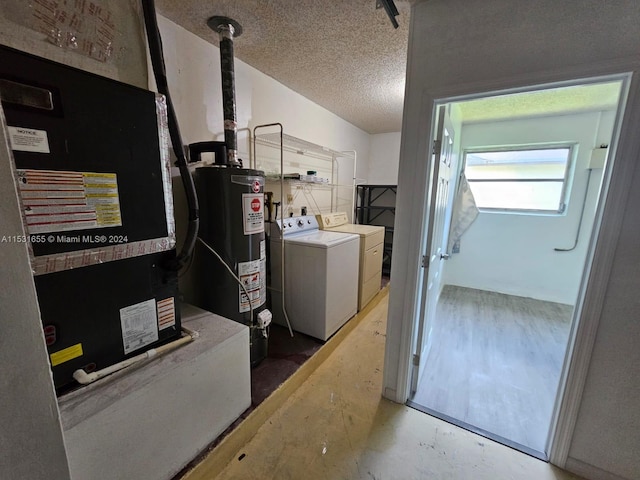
(464, 213)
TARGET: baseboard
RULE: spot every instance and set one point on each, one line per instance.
(589, 471)
(213, 464)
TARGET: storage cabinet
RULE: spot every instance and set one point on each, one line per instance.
(376, 205)
(371, 255)
(371, 252)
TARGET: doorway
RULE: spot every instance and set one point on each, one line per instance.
(502, 282)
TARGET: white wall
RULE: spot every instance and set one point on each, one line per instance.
(193, 70)
(607, 431)
(384, 159)
(514, 253)
(457, 48)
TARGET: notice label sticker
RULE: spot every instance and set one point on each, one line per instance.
(139, 325)
(28, 140)
(252, 213)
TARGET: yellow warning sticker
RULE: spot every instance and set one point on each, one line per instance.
(65, 355)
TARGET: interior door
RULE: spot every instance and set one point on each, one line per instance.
(436, 237)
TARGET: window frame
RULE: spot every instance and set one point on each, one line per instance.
(566, 182)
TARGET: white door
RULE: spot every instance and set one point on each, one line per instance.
(436, 238)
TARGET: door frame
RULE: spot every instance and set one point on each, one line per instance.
(616, 187)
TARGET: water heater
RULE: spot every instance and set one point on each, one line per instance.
(231, 258)
(232, 222)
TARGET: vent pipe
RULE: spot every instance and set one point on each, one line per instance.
(227, 29)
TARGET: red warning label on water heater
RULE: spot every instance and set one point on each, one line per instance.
(252, 213)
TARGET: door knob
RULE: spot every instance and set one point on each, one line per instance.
(445, 256)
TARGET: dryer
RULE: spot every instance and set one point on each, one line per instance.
(371, 252)
(320, 276)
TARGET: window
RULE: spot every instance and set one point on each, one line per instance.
(522, 180)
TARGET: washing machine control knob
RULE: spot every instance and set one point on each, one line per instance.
(289, 224)
(300, 223)
(309, 222)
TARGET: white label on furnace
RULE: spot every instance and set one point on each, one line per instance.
(253, 276)
(139, 325)
(263, 250)
(252, 213)
(28, 140)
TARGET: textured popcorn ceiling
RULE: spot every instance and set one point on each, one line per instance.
(345, 56)
(342, 54)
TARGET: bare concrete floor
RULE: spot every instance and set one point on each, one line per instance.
(337, 426)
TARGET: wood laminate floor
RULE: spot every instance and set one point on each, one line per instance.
(495, 362)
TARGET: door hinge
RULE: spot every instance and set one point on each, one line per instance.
(436, 147)
(416, 360)
(425, 261)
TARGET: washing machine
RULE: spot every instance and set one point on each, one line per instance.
(371, 252)
(320, 276)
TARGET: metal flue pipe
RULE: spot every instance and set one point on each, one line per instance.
(227, 29)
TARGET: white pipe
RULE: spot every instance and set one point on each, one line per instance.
(192, 333)
(85, 378)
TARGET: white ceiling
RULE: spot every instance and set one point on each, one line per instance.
(342, 54)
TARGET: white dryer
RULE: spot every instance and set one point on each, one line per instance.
(371, 252)
(320, 276)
